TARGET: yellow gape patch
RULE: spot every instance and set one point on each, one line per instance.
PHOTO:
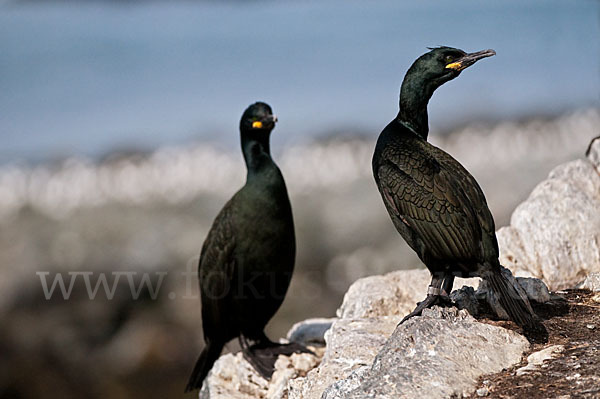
(257, 124)
(454, 65)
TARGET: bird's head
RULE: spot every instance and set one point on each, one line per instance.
(258, 117)
(426, 74)
(443, 64)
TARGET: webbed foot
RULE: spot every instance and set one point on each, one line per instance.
(263, 355)
(435, 296)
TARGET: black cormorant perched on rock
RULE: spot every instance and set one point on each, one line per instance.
(433, 201)
(247, 259)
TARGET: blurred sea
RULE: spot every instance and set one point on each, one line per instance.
(91, 77)
(118, 124)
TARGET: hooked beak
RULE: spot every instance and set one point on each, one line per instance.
(271, 120)
(470, 59)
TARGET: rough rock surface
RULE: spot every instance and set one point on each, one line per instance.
(351, 344)
(426, 357)
(371, 309)
(233, 377)
(536, 359)
(555, 234)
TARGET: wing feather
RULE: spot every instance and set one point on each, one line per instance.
(216, 269)
(436, 200)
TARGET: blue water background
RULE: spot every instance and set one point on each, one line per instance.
(88, 78)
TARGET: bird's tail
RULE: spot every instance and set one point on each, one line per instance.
(516, 305)
(207, 358)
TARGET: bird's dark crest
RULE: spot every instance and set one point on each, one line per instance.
(439, 47)
(258, 108)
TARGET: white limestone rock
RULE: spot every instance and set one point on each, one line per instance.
(351, 344)
(426, 357)
(536, 359)
(232, 377)
(310, 331)
(555, 234)
(592, 282)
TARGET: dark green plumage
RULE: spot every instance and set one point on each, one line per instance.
(247, 259)
(433, 201)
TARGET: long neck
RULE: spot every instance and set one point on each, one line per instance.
(256, 149)
(414, 97)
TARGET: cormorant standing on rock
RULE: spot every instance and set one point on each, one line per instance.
(433, 201)
(247, 259)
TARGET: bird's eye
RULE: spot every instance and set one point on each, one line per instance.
(449, 58)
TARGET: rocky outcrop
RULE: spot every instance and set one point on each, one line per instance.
(233, 377)
(426, 357)
(555, 234)
(352, 344)
(364, 345)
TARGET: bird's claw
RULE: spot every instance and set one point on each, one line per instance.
(442, 300)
